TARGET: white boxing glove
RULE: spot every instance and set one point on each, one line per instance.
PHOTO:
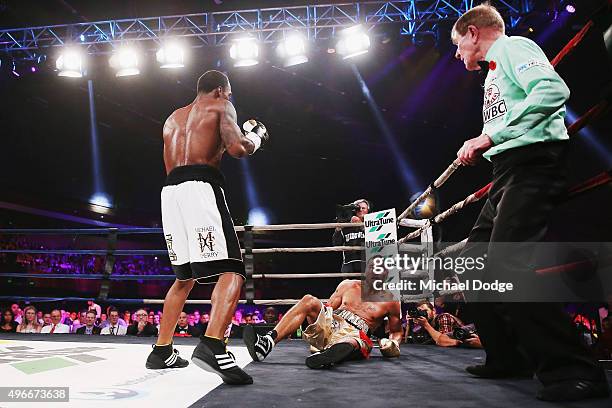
(256, 132)
(389, 347)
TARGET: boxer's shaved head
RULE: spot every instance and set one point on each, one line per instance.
(211, 80)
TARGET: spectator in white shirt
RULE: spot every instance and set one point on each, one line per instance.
(114, 328)
(55, 326)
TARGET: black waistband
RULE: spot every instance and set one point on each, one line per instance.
(529, 151)
(195, 172)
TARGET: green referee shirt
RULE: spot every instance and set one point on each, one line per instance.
(524, 99)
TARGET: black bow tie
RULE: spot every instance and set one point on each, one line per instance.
(484, 67)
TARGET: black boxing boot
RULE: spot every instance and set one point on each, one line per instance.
(259, 346)
(212, 356)
(165, 357)
(328, 357)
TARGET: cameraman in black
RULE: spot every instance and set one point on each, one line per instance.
(354, 212)
(445, 330)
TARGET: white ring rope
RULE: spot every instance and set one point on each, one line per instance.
(285, 227)
(306, 250)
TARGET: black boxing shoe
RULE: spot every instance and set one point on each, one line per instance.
(259, 346)
(212, 356)
(328, 357)
(574, 390)
(165, 357)
(487, 371)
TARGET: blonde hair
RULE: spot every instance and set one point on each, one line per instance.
(24, 321)
(484, 15)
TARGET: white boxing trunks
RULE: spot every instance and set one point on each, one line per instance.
(198, 227)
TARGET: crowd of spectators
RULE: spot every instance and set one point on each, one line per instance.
(436, 327)
(92, 320)
(79, 264)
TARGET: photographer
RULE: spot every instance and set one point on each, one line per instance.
(353, 212)
(445, 330)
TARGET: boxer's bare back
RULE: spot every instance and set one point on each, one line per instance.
(202, 131)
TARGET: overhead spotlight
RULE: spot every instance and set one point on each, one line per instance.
(293, 50)
(101, 200)
(125, 60)
(258, 216)
(353, 42)
(570, 8)
(244, 52)
(70, 63)
(171, 55)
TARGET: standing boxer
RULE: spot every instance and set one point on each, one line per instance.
(525, 138)
(198, 227)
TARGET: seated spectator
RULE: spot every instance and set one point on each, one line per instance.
(16, 312)
(103, 320)
(439, 328)
(73, 316)
(202, 324)
(46, 319)
(30, 323)
(127, 317)
(237, 319)
(56, 326)
(9, 325)
(270, 315)
(114, 328)
(90, 324)
(66, 318)
(39, 318)
(142, 327)
(183, 329)
(157, 321)
(257, 317)
(248, 319)
(120, 321)
(80, 322)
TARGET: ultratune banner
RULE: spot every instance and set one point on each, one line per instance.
(380, 243)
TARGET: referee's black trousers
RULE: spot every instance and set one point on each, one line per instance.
(528, 182)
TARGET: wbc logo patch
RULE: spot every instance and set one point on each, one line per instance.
(494, 106)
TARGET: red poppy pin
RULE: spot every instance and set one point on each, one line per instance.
(492, 65)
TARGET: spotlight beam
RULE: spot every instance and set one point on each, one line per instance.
(95, 148)
(406, 173)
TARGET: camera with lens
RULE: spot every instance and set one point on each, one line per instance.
(464, 332)
(415, 313)
(344, 212)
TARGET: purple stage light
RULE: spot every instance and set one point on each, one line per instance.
(16, 73)
(33, 69)
(570, 8)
